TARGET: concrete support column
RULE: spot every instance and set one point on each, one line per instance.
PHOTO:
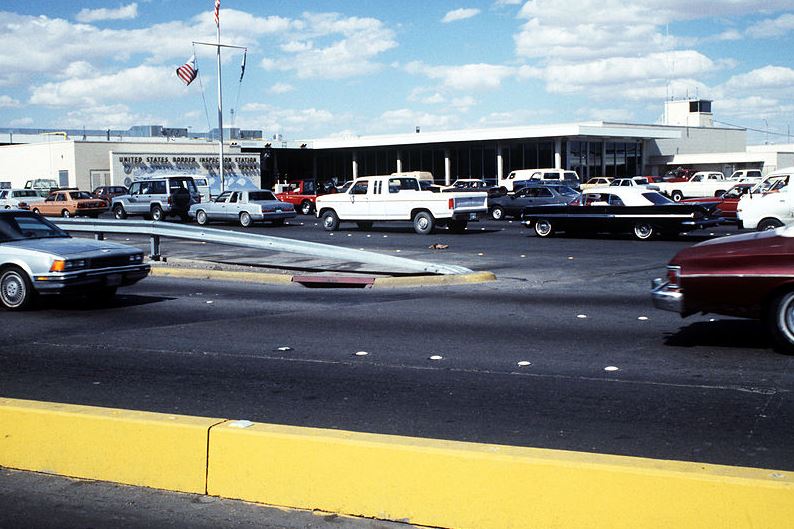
(500, 170)
(447, 168)
(355, 165)
(399, 161)
(604, 158)
(558, 154)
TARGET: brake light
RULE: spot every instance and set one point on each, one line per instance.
(170, 200)
(451, 203)
(674, 275)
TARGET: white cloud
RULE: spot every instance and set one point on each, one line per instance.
(141, 83)
(460, 14)
(466, 76)
(406, 119)
(281, 88)
(463, 104)
(21, 122)
(772, 27)
(333, 47)
(768, 77)
(8, 102)
(95, 15)
(619, 115)
(103, 117)
(295, 122)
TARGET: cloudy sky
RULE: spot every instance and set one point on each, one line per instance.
(331, 68)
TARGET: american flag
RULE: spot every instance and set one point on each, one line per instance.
(218, 13)
(188, 71)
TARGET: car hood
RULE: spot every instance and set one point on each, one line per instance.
(70, 246)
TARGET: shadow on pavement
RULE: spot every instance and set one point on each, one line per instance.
(722, 333)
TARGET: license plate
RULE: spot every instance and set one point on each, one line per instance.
(113, 280)
(472, 216)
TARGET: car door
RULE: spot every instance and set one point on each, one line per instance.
(218, 209)
(358, 205)
(233, 206)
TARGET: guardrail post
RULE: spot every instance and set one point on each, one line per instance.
(154, 248)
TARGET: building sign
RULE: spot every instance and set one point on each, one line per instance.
(240, 171)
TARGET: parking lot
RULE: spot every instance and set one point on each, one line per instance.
(563, 351)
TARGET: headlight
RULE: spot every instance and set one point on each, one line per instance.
(137, 258)
(66, 265)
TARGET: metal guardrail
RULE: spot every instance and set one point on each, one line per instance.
(157, 229)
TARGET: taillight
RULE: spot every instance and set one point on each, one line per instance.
(451, 203)
(170, 200)
(674, 275)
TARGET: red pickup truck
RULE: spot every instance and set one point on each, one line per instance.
(303, 193)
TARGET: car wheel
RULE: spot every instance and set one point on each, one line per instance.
(157, 213)
(424, 223)
(364, 225)
(543, 228)
(458, 226)
(677, 196)
(201, 217)
(65, 214)
(330, 220)
(643, 231)
(497, 213)
(307, 207)
(8, 207)
(245, 219)
(119, 213)
(36, 211)
(16, 290)
(780, 319)
(769, 224)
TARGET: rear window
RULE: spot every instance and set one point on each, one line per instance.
(657, 198)
(261, 195)
(185, 183)
(24, 193)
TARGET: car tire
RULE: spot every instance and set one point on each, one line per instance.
(424, 223)
(245, 219)
(36, 211)
(780, 319)
(201, 217)
(544, 228)
(364, 225)
(16, 290)
(768, 224)
(498, 213)
(643, 231)
(119, 213)
(157, 213)
(330, 220)
(457, 226)
(65, 214)
(307, 207)
(676, 196)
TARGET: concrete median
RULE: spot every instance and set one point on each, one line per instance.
(421, 481)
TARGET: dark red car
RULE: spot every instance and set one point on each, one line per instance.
(726, 204)
(749, 275)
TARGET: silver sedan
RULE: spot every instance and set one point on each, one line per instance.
(245, 207)
(38, 258)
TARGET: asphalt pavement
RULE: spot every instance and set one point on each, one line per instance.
(563, 351)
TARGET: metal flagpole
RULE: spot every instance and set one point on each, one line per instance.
(220, 109)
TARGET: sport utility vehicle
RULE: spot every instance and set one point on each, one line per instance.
(158, 198)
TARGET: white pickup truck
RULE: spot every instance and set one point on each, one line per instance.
(400, 197)
(701, 184)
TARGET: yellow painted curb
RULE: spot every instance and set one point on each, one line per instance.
(451, 279)
(221, 275)
(422, 481)
(476, 486)
(136, 448)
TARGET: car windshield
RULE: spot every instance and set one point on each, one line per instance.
(424, 185)
(261, 195)
(566, 191)
(657, 198)
(22, 226)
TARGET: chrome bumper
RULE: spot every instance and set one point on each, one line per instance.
(666, 297)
